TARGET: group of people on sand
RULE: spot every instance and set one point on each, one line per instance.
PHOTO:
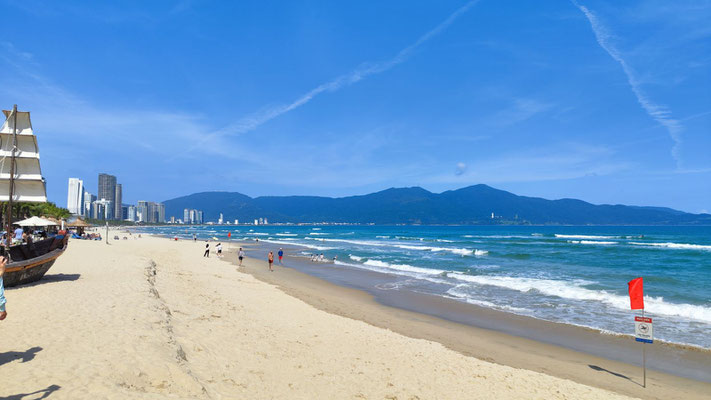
(241, 254)
(270, 258)
(218, 250)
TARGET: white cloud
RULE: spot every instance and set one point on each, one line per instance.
(658, 112)
(253, 121)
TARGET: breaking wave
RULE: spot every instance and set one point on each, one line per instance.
(682, 246)
(575, 291)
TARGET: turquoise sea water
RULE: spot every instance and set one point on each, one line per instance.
(573, 275)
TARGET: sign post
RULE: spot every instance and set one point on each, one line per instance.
(643, 332)
(642, 325)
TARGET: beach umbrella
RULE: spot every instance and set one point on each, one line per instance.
(78, 223)
(35, 221)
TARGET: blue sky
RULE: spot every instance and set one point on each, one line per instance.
(609, 102)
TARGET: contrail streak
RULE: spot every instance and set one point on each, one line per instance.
(659, 113)
(365, 70)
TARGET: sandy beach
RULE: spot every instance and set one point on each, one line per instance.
(151, 318)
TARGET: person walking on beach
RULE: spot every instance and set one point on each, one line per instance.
(3, 312)
(240, 255)
(280, 254)
(194, 237)
(219, 250)
(207, 250)
(271, 260)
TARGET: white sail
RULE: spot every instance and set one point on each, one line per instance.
(29, 183)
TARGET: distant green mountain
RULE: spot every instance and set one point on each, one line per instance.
(471, 205)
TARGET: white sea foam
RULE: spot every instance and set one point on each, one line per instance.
(403, 267)
(358, 242)
(682, 246)
(315, 229)
(319, 233)
(486, 266)
(585, 237)
(397, 269)
(409, 238)
(383, 237)
(575, 291)
(258, 233)
(593, 242)
(310, 246)
(287, 234)
(355, 258)
(480, 253)
(456, 292)
(462, 252)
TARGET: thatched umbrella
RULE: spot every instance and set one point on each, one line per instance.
(78, 223)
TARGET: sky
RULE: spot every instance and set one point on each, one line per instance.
(605, 101)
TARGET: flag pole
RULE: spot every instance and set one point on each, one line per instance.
(644, 360)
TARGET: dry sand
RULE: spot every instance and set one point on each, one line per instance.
(151, 318)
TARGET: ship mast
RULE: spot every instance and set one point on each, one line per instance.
(12, 179)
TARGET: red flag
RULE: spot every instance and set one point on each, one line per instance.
(636, 290)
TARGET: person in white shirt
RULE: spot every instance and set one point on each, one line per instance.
(240, 255)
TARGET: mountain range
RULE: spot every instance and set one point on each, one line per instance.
(472, 205)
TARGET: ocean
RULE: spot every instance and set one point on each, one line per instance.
(566, 274)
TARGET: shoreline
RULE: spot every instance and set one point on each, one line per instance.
(151, 318)
(486, 343)
(330, 275)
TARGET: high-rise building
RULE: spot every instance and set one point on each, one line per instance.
(107, 187)
(151, 212)
(191, 216)
(103, 209)
(160, 213)
(118, 193)
(142, 211)
(131, 213)
(88, 210)
(75, 196)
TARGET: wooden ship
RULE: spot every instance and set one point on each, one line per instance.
(21, 181)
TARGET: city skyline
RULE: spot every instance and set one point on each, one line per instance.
(601, 101)
(108, 203)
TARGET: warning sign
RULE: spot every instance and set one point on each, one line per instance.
(643, 329)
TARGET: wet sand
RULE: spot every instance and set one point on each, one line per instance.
(559, 350)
